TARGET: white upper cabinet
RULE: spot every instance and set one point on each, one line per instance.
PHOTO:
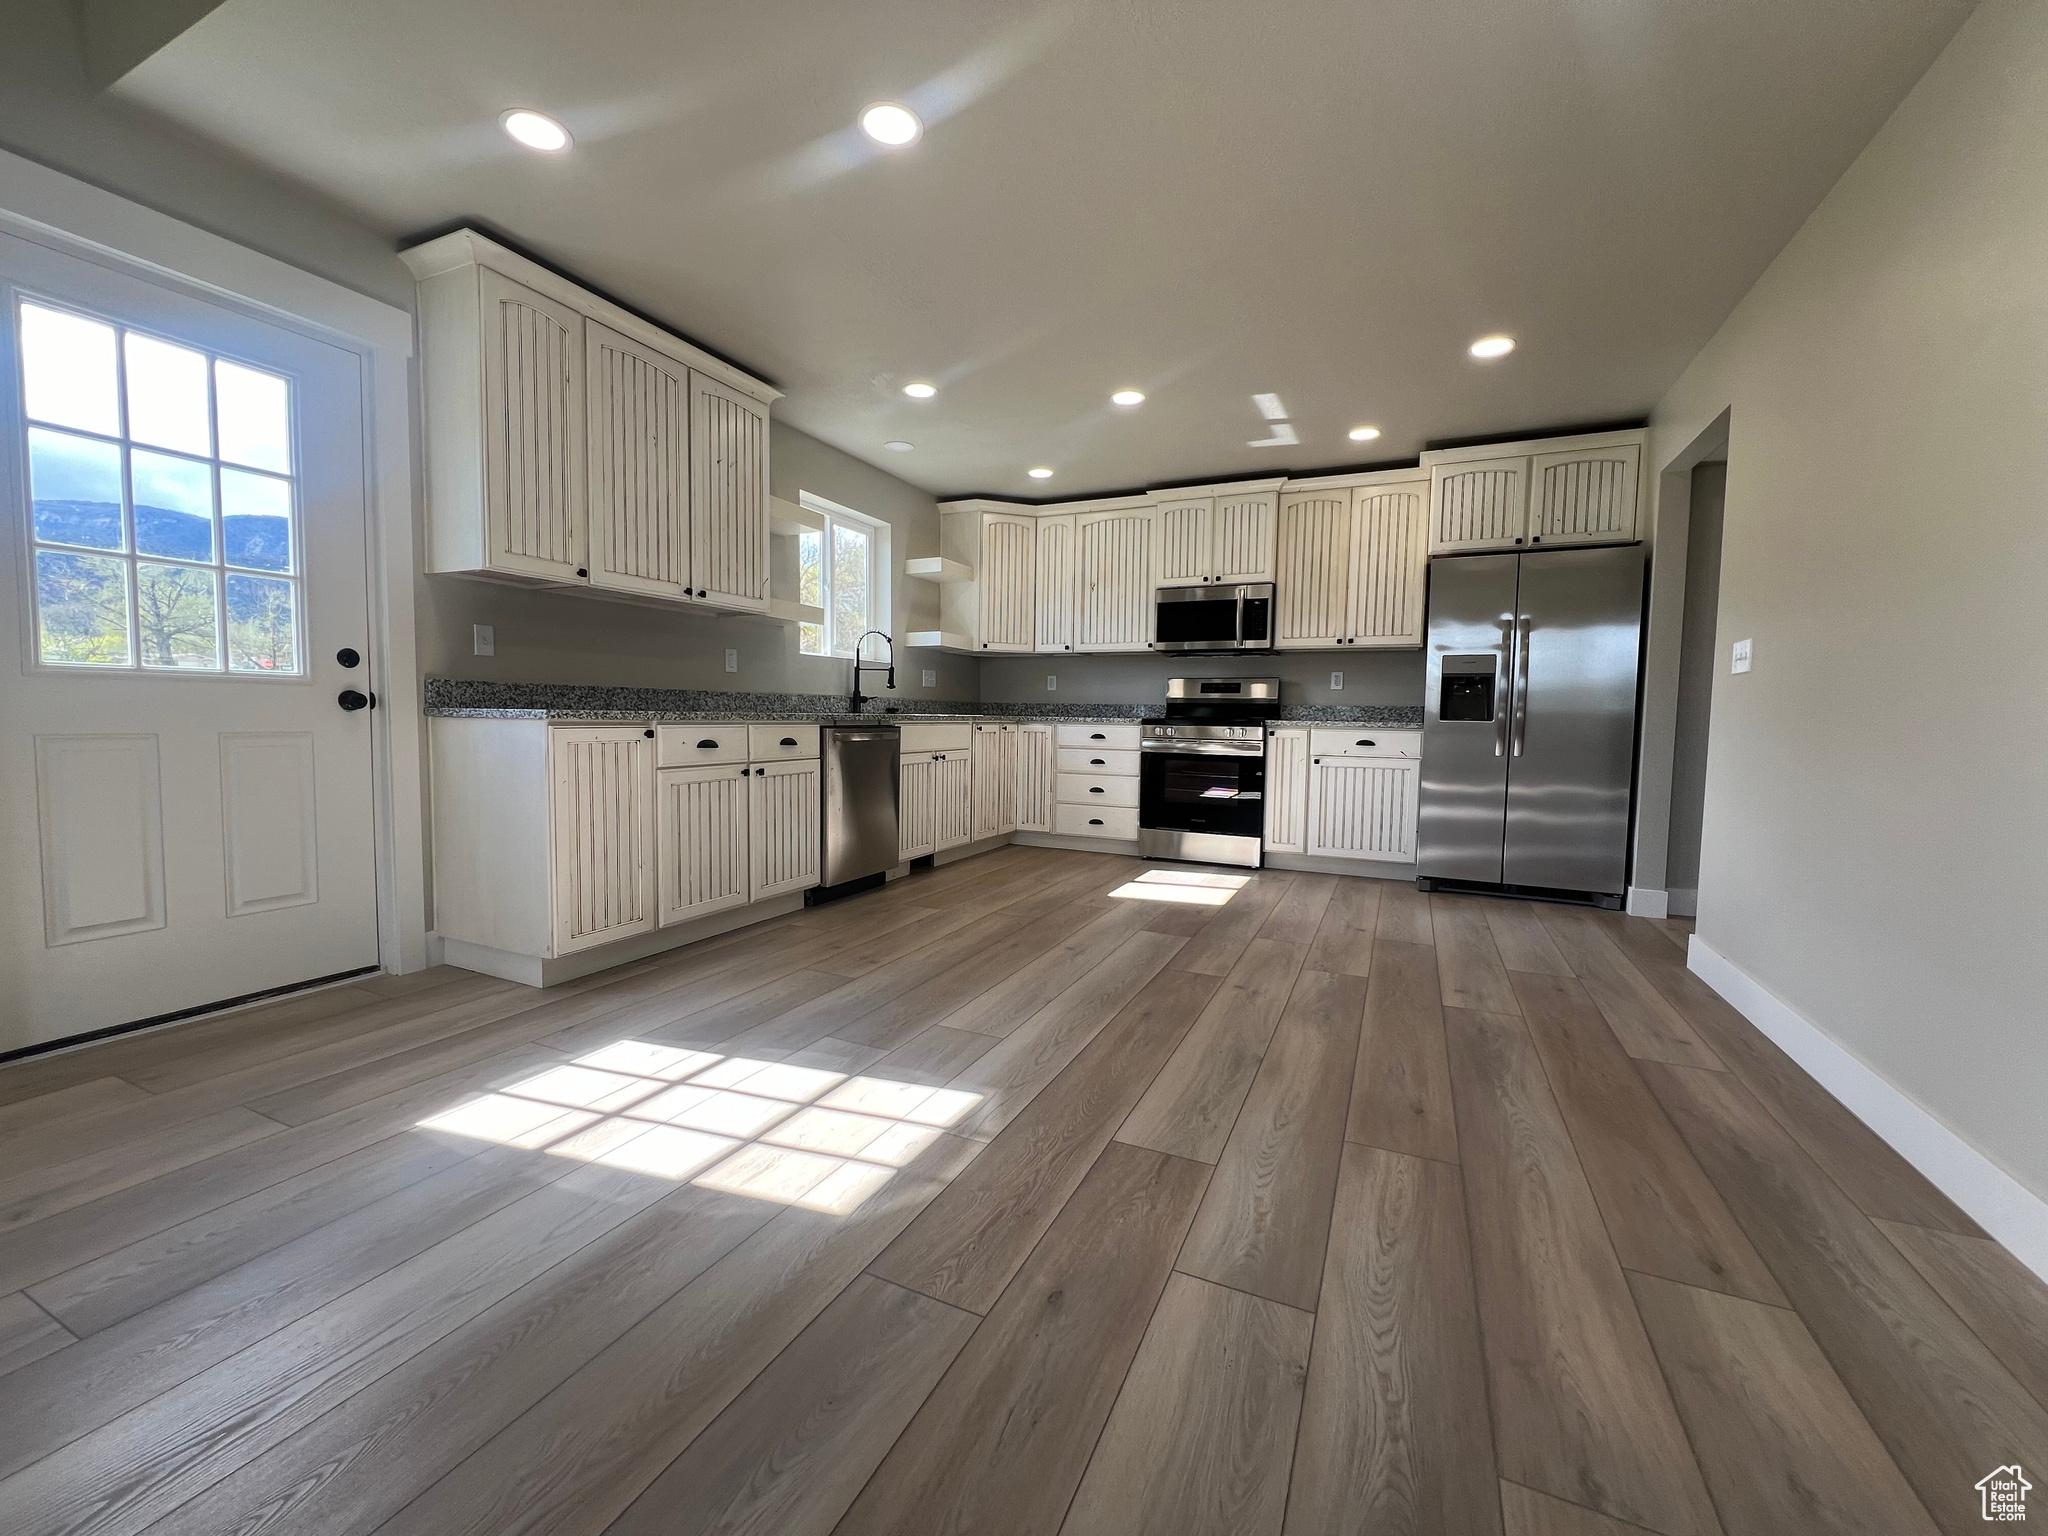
(1009, 610)
(728, 496)
(570, 442)
(1225, 537)
(1389, 563)
(1180, 534)
(1113, 590)
(638, 452)
(1055, 582)
(1568, 490)
(1314, 577)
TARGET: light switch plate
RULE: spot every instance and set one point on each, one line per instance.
(931, 678)
(1738, 659)
(1336, 682)
(1052, 682)
(732, 659)
(483, 639)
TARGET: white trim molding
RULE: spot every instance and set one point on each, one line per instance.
(1644, 901)
(1993, 1198)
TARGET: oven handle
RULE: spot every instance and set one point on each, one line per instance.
(1206, 748)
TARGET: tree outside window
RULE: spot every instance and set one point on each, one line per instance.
(840, 569)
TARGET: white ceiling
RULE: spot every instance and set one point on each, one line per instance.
(1324, 199)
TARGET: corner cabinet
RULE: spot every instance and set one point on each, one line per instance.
(570, 443)
(1557, 491)
(1353, 562)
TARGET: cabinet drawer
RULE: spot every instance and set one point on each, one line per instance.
(938, 738)
(1364, 741)
(691, 746)
(1096, 821)
(1079, 789)
(1102, 762)
(768, 743)
(1124, 738)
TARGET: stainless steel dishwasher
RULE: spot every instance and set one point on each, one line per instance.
(860, 765)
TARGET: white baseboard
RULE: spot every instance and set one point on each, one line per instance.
(1993, 1198)
(1643, 901)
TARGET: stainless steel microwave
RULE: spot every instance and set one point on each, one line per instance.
(1215, 618)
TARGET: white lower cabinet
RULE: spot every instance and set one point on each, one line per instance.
(934, 802)
(1035, 775)
(1362, 807)
(603, 834)
(995, 779)
(953, 790)
(1287, 791)
(701, 838)
(782, 827)
(1095, 783)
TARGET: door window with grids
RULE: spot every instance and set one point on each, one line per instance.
(163, 517)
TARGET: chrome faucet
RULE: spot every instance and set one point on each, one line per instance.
(859, 665)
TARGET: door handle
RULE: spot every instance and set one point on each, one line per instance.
(1521, 685)
(351, 700)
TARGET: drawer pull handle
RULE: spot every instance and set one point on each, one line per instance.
(789, 741)
(1094, 821)
(707, 744)
(1098, 736)
(1098, 762)
(1365, 743)
(1094, 789)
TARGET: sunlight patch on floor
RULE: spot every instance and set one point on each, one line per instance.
(1194, 888)
(800, 1136)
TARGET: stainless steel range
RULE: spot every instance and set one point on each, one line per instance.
(1202, 771)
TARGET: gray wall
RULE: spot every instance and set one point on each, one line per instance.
(1876, 817)
(1695, 681)
(1370, 677)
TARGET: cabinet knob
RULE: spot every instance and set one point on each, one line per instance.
(647, 733)
(1518, 541)
(1537, 540)
(582, 570)
(689, 591)
(760, 773)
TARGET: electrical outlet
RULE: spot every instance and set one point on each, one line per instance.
(483, 639)
(1052, 682)
(732, 660)
(1738, 659)
(1336, 682)
(931, 678)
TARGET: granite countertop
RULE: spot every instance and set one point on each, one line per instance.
(450, 698)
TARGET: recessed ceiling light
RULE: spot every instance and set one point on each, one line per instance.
(920, 391)
(1128, 397)
(897, 445)
(1363, 434)
(536, 130)
(1492, 346)
(888, 122)
(1040, 473)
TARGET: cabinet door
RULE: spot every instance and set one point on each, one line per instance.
(602, 842)
(1584, 497)
(728, 496)
(1054, 589)
(700, 841)
(1389, 564)
(917, 805)
(995, 780)
(534, 492)
(1241, 536)
(782, 827)
(1287, 791)
(953, 792)
(1180, 537)
(638, 454)
(1009, 547)
(1314, 569)
(1114, 594)
(1479, 504)
(1034, 778)
(1362, 807)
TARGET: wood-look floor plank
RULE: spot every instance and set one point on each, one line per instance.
(1875, 1175)
(1944, 1406)
(137, 1468)
(974, 1238)
(1649, 1028)
(1221, 944)
(1401, 1096)
(1525, 1512)
(2003, 1301)
(935, 1055)
(1021, 994)
(1024, 1061)
(793, 1449)
(1172, 917)
(27, 1333)
(1404, 914)
(1298, 916)
(579, 1457)
(1004, 1438)
(724, 1020)
(1265, 1220)
(1395, 1437)
(1190, 1107)
(1524, 943)
(1343, 941)
(357, 1465)
(37, 1193)
(1781, 1442)
(1468, 963)
(1662, 1212)
(1580, 1408)
(1202, 1434)
(29, 1117)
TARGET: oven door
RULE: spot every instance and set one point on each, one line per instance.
(1217, 792)
(1198, 619)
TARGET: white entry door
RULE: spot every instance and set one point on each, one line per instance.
(185, 794)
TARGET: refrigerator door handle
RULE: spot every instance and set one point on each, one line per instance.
(1521, 684)
(1503, 668)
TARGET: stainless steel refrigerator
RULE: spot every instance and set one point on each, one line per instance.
(1529, 721)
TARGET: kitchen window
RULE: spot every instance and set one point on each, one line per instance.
(843, 569)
